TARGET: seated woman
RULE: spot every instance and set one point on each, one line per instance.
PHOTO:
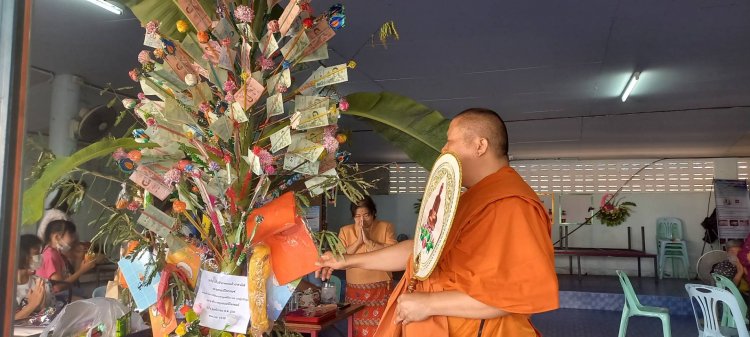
(32, 293)
(367, 287)
(59, 237)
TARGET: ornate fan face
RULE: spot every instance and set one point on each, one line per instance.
(436, 214)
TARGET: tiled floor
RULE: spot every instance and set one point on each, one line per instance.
(596, 323)
(611, 284)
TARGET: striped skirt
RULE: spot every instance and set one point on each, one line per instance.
(374, 296)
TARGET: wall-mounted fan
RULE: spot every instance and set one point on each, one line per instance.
(93, 124)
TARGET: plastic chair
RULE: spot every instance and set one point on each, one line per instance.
(670, 246)
(633, 307)
(708, 299)
(727, 284)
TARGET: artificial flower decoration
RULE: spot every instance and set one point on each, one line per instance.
(614, 212)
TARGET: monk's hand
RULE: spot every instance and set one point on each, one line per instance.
(412, 307)
(328, 263)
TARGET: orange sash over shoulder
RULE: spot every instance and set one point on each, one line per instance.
(499, 252)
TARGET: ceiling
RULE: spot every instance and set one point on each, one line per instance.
(554, 70)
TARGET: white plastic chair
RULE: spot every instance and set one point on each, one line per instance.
(727, 284)
(708, 299)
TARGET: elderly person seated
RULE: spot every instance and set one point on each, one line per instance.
(732, 268)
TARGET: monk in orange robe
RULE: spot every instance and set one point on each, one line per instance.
(497, 266)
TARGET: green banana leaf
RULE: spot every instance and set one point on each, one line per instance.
(33, 198)
(414, 128)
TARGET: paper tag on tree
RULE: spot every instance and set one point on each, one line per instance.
(287, 17)
(318, 35)
(237, 113)
(274, 105)
(322, 183)
(223, 128)
(151, 181)
(249, 93)
(196, 14)
(294, 48)
(280, 139)
(300, 165)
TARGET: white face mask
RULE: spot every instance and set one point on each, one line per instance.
(36, 262)
(63, 246)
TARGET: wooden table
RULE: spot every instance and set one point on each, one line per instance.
(314, 328)
(604, 252)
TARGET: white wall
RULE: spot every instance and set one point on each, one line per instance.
(688, 206)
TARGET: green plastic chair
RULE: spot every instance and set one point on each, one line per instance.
(725, 283)
(633, 307)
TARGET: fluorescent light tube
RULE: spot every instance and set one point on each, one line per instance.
(631, 84)
(106, 5)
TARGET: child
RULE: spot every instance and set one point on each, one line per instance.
(32, 293)
(59, 238)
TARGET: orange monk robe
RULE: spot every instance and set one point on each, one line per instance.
(499, 251)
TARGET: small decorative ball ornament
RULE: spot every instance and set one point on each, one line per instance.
(182, 26)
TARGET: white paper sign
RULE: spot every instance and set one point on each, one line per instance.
(225, 302)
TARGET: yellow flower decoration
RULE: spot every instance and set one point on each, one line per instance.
(245, 75)
(182, 26)
(351, 64)
(181, 331)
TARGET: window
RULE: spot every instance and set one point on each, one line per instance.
(591, 176)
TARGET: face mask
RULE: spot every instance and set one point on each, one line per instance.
(63, 246)
(36, 262)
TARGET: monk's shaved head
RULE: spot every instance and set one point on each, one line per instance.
(487, 124)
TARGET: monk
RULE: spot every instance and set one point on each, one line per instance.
(497, 266)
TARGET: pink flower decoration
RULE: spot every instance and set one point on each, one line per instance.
(152, 27)
(273, 26)
(270, 169)
(265, 157)
(133, 75)
(144, 57)
(344, 105)
(330, 131)
(281, 88)
(265, 63)
(230, 86)
(141, 96)
(204, 107)
(151, 121)
(133, 206)
(119, 154)
(244, 13)
(172, 176)
(330, 144)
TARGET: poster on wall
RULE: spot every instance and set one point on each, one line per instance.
(732, 208)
